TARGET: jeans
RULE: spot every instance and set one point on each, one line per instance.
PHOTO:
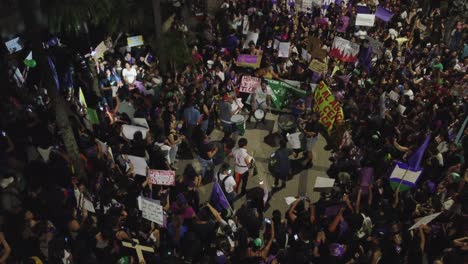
(206, 165)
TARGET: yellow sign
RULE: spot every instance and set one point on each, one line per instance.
(135, 41)
(327, 106)
(318, 66)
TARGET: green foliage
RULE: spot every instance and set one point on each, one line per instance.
(174, 45)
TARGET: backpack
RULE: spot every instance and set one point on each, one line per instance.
(223, 187)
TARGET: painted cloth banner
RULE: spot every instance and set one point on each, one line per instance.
(283, 90)
(252, 61)
(366, 20)
(318, 66)
(327, 106)
(344, 50)
(249, 84)
(383, 14)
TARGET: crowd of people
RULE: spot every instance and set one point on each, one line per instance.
(415, 89)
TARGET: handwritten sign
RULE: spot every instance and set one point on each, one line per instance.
(318, 66)
(135, 41)
(152, 210)
(245, 60)
(249, 84)
(365, 20)
(162, 177)
(139, 164)
(283, 50)
(327, 106)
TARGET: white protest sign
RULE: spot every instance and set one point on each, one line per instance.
(152, 211)
(162, 177)
(139, 165)
(425, 220)
(135, 41)
(322, 182)
(401, 108)
(129, 130)
(394, 96)
(295, 140)
(103, 146)
(14, 45)
(276, 44)
(140, 122)
(249, 84)
(88, 205)
(366, 20)
(251, 36)
(127, 108)
(283, 49)
(290, 200)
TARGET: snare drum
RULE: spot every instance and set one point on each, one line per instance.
(239, 122)
(259, 114)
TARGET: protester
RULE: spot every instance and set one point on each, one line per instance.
(388, 97)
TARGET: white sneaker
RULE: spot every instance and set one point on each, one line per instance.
(6, 182)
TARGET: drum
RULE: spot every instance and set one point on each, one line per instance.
(239, 122)
(287, 124)
(259, 114)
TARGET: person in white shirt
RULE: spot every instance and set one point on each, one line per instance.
(260, 99)
(227, 183)
(129, 74)
(242, 161)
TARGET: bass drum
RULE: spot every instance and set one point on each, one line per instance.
(287, 124)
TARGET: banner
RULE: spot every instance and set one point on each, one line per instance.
(135, 41)
(151, 210)
(344, 50)
(251, 36)
(327, 106)
(366, 20)
(252, 61)
(283, 50)
(249, 84)
(383, 14)
(162, 177)
(318, 66)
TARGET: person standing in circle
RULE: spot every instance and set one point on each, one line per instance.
(242, 161)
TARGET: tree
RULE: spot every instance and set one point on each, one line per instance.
(163, 59)
(32, 14)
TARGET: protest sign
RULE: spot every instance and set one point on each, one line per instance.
(246, 60)
(327, 106)
(318, 66)
(383, 14)
(362, 9)
(135, 41)
(162, 177)
(425, 220)
(152, 210)
(394, 96)
(140, 122)
(127, 108)
(128, 131)
(283, 50)
(343, 24)
(251, 36)
(289, 200)
(276, 44)
(377, 46)
(366, 20)
(100, 50)
(103, 145)
(344, 50)
(139, 164)
(14, 45)
(322, 182)
(314, 46)
(249, 84)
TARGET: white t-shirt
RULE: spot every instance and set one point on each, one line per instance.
(239, 155)
(229, 184)
(261, 95)
(129, 75)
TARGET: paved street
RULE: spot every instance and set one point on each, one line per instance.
(300, 184)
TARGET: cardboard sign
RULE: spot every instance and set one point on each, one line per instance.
(162, 177)
(425, 220)
(135, 41)
(314, 46)
(14, 45)
(283, 50)
(100, 50)
(251, 36)
(366, 20)
(318, 66)
(249, 84)
(252, 61)
(152, 211)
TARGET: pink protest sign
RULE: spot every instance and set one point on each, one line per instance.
(162, 177)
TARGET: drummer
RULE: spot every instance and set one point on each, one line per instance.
(226, 111)
(260, 99)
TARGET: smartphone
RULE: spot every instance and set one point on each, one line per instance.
(268, 221)
(296, 237)
(4, 133)
(229, 171)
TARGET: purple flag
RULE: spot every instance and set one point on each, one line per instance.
(362, 9)
(383, 14)
(415, 160)
(218, 199)
(54, 72)
(365, 57)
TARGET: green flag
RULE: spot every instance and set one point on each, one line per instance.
(279, 93)
(92, 116)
